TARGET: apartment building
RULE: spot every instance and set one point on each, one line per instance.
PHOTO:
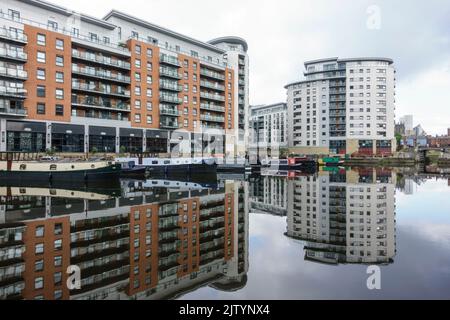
(74, 83)
(268, 194)
(343, 106)
(344, 217)
(158, 240)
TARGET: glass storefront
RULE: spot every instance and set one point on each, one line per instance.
(67, 138)
(157, 141)
(25, 136)
(102, 139)
(131, 140)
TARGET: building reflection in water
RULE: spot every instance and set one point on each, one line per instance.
(342, 216)
(158, 240)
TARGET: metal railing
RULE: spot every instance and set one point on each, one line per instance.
(99, 73)
(101, 59)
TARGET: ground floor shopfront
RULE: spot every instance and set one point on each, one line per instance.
(33, 136)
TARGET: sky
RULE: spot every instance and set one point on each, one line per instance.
(283, 34)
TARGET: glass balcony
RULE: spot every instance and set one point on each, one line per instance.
(212, 85)
(241, 61)
(105, 60)
(172, 86)
(13, 54)
(168, 123)
(212, 74)
(171, 60)
(206, 117)
(13, 92)
(169, 72)
(211, 96)
(13, 35)
(242, 82)
(101, 74)
(13, 111)
(212, 107)
(102, 117)
(13, 73)
(168, 110)
(100, 90)
(170, 98)
(100, 103)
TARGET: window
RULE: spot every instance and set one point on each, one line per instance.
(60, 61)
(57, 277)
(59, 44)
(58, 261)
(137, 76)
(149, 93)
(15, 15)
(137, 118)
(40, 108)
(39, 265)
(75, 32)
(58, 244)
(149, 80)
(52, 25)
(39, 248)
(149, 119)
(134, 35)
(137, 63)
(149, 52)
(59, 110)
(137, 104)
(38, 283)
(59, 94)
(40, 74)
(149, 66)
(93, 37)
(40, 91)
(58, 229)
(137, 91)
(41, 39)
(58, 294)
(59, 77)
(149, 106)
(106, 40)
(137, 49)
(41, 57)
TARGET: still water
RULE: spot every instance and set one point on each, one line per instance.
(270, 236)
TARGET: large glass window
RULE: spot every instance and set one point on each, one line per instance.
(131, 144)
(102, 143)
(64, 142)
(25, 141)
(157, 145)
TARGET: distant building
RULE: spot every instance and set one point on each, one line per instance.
(439, 141)
(400, 129)
(407, 121)
(418, 131)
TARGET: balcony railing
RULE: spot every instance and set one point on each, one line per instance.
(168, 110)
(212, 74)
(13, 111)
(102, 74)
(169, 72)
(13, 73)
(101, 59)
(212, 85)
(102, 117)
(13, 35)
(212, 107)
(13, 54)
(210, 96)
(206, 117)
(170, 98)
(242, 82)
(169, 124)
(173, 86)
(16, 92)
(100, 90)
(164, 58)
(100, 103)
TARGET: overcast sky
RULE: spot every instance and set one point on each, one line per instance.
(282, 34)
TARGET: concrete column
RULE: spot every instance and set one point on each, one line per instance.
(48, 136)
(144, 141)
(3, 146)
(117, 140)
(86, 139)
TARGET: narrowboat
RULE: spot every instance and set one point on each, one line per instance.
(157, 166)
(331, 161)
(297, 163)
(56, 170)
(130, 169)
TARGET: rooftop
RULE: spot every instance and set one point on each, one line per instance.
(230, 39)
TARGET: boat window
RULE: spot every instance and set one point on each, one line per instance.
(154, 182)
(53, 192)
(23, 167)
(22, 190)
(167, 162)
(53, 167)
(154, 162)
(73, 167)
(93, 166)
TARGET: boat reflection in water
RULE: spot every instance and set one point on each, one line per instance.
(157, 239)
(340, 215)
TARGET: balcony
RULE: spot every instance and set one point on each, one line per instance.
(99, 103)
(241, 61)
(206, 117)
(212, 74)
(13, 92)
(169, 73)
(13, 73)
(170, 60)
(103, 60)
(242, 82)
(100, 74)
(172, 86)
(210, 96)
(100, 90)
(212, 85)
(166, 123)
(212, 107)
(101, 117)
(170, 98)
(12, 54)
(168, 110)
(20, 112)
(13, 35)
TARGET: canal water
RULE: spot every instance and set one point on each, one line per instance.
(355, 233)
